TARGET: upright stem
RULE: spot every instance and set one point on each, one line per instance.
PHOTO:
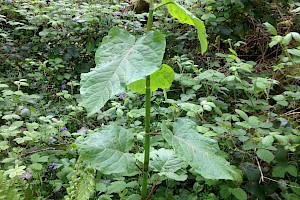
(147, 115)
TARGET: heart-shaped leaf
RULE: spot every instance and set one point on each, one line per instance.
(120, 60)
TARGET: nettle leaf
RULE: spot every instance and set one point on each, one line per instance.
(186, 17)
(162, 78)
(107, 150)
(198, 151)
(120, 60)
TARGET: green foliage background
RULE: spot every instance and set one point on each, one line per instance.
(243, 94)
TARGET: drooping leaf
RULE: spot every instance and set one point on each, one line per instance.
(107, 150)
(295, 52)
(271, 29)
(296, 36)
(162, 78)
(287, 39)
(186, 17)
(197, 150)
(120, 60)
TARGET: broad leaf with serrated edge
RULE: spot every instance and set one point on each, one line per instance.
(265, 155)
(162, 78)
(197, 150)
(186, 17)
(120, 60)
(167, 163)
(107, 150)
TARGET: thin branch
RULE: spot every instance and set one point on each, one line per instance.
(40, 150)
(289, 185)
(293, 113)
(152, 189)
(261, 173)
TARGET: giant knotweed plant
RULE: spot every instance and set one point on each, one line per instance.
(124, 60)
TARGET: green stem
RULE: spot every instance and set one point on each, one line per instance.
(147, 140)
(147, 115)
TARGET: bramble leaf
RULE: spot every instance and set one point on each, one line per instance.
(265, 155)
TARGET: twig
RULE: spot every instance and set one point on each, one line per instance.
(40, 150)
(139, 167)
(152, 189)
(292, 110)
(261, 173)
(293, 113)
(289, 185)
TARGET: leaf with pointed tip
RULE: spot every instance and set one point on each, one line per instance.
(271, 29)
(186, 17)
(162, 78)
(107, 150)
(166, 162)
(198, 151)
(120, 60)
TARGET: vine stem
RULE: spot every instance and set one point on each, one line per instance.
(147, 115)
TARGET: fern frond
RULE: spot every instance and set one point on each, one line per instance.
(10, 188)
(82, 185)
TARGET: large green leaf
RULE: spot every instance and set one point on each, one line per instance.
(186, 17)
(120, 60)
(197, 150)
(107, 150)
(167, 163)
(162, 78)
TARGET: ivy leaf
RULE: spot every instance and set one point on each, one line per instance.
(186, 17)
(107, 150)
(197, 150)
(162, 78)
(120, 60)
